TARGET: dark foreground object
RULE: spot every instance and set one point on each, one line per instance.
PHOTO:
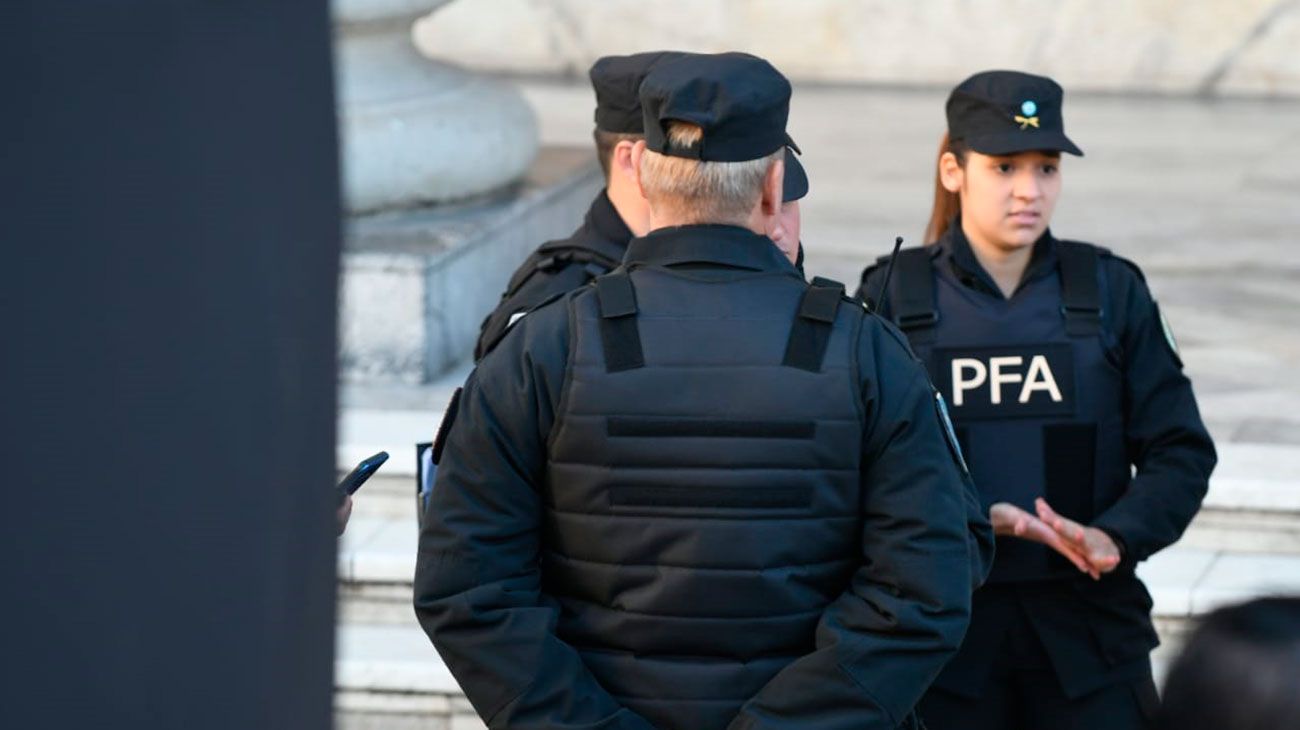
(168, 285)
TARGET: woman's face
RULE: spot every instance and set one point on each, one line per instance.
(1006, 200)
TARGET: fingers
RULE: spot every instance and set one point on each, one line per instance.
(1101, 555)
(1030, 528)
(1007, 519)
(1104, 554)
(1070, 529)
(344, 514)
(1056, 532)
(1073, 554)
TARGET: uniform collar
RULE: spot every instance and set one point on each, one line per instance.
(604, 219)
(969, 271)
(720, 245)
(602, 231)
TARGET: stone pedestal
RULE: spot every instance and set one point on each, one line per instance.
(416, 131)
(416, 284)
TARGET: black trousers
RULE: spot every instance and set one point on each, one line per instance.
(1023, 693)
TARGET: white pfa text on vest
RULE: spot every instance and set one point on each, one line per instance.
(970, 373)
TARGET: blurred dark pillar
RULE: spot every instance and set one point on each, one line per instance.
(169, 241)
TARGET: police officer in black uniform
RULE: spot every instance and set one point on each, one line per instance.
(1080, 429)
(615, 216)
(700, 492)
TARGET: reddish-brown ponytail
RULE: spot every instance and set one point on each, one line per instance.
(946, 204)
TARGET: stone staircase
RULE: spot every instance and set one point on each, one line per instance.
(1244, 543)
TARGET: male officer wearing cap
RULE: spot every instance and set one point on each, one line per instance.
(616, 215)
(700, 493)
(1080, 429)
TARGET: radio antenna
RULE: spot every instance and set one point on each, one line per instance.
(882, 303)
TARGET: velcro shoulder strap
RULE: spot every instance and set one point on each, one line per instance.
(811, 331)
(553, 257)
(619, 334)
(1080, 295)
(580, 255)
(914, 306)
(536, 262)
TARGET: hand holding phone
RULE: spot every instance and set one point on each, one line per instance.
(358, 476)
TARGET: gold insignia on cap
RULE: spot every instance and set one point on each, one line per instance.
(1027, 122)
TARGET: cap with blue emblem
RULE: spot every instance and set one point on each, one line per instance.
(1005, 112)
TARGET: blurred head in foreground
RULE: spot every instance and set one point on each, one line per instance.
(1240, 670)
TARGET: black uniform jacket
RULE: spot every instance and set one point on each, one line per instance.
(498, 576)
(557, 267)
(1098, 632)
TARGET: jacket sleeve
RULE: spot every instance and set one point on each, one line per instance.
(980, 535)
(477, 579)
(1165, 438)
(980, 542)
(882, 642)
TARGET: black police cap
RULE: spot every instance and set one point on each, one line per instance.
(1004, 112)
(796, 180)
(616, 80)
(740, 101)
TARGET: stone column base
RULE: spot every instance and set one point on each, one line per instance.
(417, 284)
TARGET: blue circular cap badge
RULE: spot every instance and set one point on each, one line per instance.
(1029, 108)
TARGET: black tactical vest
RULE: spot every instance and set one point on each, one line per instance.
(1034, 387)
(703, 484)
(556, 267)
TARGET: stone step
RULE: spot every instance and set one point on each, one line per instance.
(1253, 504)
(1244, 543)
(1243, 512)
(1254, 501)
(377, 563)
(389, 676)
(416, 283)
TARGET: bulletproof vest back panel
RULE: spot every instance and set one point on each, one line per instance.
(1039, 410)
(703, 504)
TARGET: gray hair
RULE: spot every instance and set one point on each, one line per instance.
(700, 191)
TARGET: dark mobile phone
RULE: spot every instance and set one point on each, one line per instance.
(358, 476)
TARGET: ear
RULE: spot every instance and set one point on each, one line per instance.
(622, 157)
(951, 174)
(773, 188)
(634, 159)
(775, 230)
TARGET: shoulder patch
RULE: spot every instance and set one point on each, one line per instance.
(1168, 331)
(950, 433)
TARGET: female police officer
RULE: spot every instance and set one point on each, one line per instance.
(1078, 424)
